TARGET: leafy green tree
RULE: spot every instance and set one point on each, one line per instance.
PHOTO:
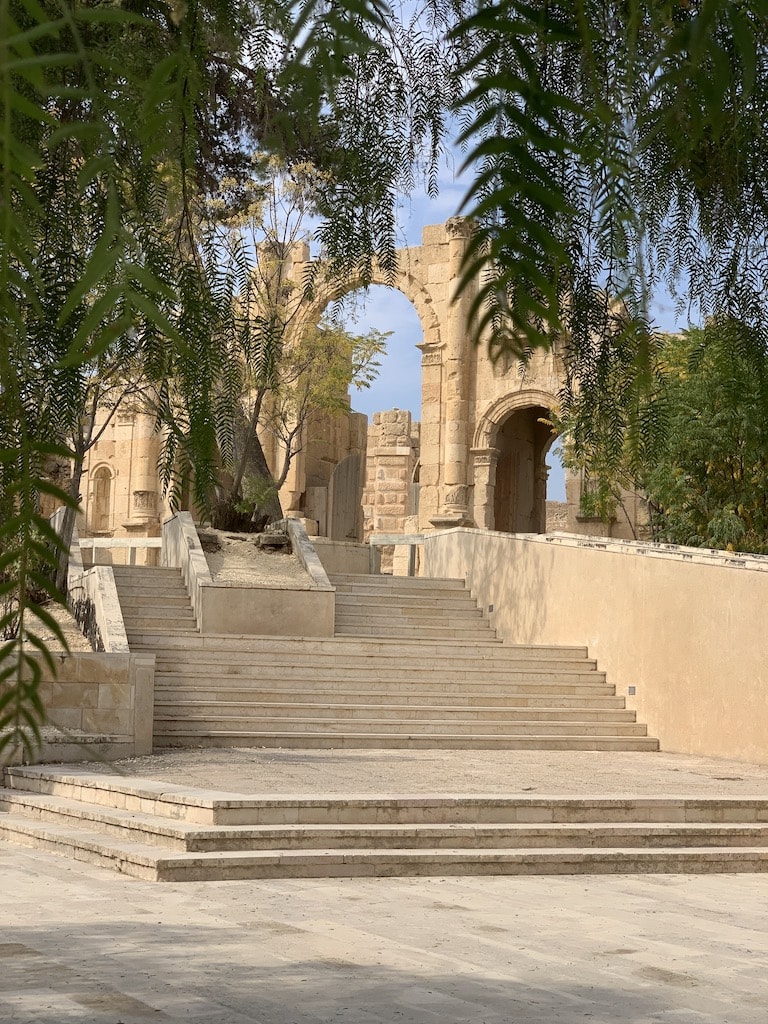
(708, 486)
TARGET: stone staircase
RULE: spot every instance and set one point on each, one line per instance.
(158, 832)
(154, 601)
(413, 664)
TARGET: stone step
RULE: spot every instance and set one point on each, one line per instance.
(397, 676)
(397, 688)
(146, 862)
(451, 721)
(147, 576)
(134, 626)
(389, 583)
(131, 603)
(479, 634)
(181, 691)
(243, 711)
(167, 608)
(421, 740)
(167, 834)
(440, 600)
(201, 807)
(401, 612)
(369, 655)
(372, 647)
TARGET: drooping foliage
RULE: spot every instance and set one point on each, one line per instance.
(620, 148)
(615, 144)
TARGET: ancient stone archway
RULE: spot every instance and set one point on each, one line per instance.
(427, 276)
(462, 441)
(509, 449)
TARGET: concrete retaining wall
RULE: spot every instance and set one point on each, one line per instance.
(686, 628)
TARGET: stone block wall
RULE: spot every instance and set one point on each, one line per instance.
(392, 457)
(108, 698)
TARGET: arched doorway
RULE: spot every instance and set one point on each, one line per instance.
(520, 494)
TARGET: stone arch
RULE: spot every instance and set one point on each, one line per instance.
(509, 451)
(487, 427)
(405, 281)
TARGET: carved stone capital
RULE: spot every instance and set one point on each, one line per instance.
(458, 227)
(485, 458)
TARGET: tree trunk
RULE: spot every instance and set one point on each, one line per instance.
(68, 525)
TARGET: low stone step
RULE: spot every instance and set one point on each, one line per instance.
(389, 583)
(422, 740)
(481, 634)
(183, 803)
(137, 600)
(401, 612)
(135, 624)
(243, 711)
(165, 609)
(447, 673)
(370, 647)
(152, 830)
(400, 688)
(146, 862)
(431, 721)
(178, 690)
(450, 600)
(445, 660)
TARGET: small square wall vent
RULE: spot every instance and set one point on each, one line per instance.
(631, 690)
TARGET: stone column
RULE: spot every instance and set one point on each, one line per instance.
(454, 509)
(484, 461)
(431, 422)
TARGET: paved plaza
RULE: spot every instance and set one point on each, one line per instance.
(81, 944)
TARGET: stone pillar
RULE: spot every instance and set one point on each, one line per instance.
(390, 461)
(484, 461)
(431, 422)
(454, 509)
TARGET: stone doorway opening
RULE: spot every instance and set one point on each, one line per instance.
(520, 495)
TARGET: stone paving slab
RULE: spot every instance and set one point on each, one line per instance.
(79, 944)
(567, 773)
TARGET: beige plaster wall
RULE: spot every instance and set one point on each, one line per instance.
(103, 695)
(687, 629)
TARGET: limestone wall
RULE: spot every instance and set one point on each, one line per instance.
(685, 628)
(121, 492)
(107, 697)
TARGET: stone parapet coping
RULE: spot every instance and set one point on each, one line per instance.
(304, 550)
(648, 549)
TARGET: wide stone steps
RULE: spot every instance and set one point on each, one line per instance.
(304, 647)
(170, 833)
(425, 671)
(452, 721)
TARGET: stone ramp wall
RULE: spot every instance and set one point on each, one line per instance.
(680, 631)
